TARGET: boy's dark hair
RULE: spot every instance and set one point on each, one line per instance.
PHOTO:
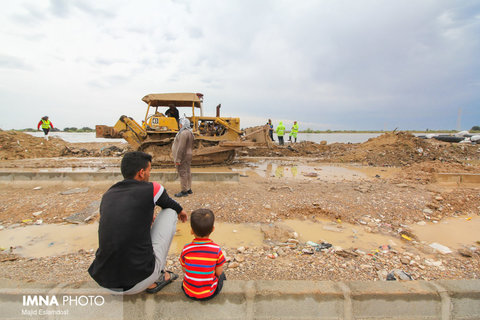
(133, 162)
(202, 221)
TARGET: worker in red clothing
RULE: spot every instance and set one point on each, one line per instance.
(46, 125)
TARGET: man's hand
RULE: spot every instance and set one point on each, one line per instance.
(183, 216)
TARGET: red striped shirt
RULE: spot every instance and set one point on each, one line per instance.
(199, 259)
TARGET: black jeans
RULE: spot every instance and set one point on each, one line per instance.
(217, 291)
(280, 140)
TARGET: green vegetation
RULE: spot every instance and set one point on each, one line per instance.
(475, 129)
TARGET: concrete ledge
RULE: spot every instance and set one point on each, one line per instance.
(457, 177)
(445, 299)
(112, 176)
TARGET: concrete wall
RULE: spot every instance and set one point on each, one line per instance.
(114, 176)
(446, 299)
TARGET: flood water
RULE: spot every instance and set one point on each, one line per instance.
(52, 240)
(451, 232)
(57, 239)
(314, 137)
(294, 169)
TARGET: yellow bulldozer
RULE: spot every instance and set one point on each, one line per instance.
(216, 138)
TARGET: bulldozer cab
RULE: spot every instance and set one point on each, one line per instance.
(157, 119)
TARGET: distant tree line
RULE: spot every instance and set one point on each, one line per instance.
(74, 129)
(475, 128)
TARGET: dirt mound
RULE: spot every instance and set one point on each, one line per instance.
(401, 149)
(19, 145)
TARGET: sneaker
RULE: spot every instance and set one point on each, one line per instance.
(189, 191)
(181, 194)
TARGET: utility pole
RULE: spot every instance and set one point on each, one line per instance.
(459, 119)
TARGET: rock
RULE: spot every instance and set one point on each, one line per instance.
(233, 265)
(37, 213)
(402, 185)
(421, 223)
(2, 227)
(85, 215)
(241, 249)
(74, 191)
(433, 263)
(310, 174)
(427, 211)
(465, 252)
(267, 206)
(39, 222)
(346, 254)
(438, 198)
(382, 275)
(398, 274)
(37, 188)
(293, 241)
(440, 248)
(239, 258)
(405, 260)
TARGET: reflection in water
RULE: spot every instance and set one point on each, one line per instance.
(279, 172)
(294, 171)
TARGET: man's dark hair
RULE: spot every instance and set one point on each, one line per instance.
(202, 221)
(133, 162)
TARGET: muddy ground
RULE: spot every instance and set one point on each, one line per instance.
(393, 189)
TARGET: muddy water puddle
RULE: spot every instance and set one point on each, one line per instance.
(299, 170)
(451, 232)
(52, 240)
(57, 239)
(305, 170)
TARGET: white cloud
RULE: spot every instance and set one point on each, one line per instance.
(328, 64)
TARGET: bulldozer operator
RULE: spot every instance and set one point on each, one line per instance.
(172, 112)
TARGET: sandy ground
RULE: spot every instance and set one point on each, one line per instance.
(280, 185)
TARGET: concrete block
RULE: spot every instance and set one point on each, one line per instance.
(409, 299)
(465, 297)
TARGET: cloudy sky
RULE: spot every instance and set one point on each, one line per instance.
(330, 64)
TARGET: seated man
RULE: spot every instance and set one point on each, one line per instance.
(172, 112)
(132, 250)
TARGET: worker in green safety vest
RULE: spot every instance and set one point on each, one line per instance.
(293, 132)
(280, 132)
(46, 125)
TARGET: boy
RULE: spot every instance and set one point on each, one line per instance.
(202, 260)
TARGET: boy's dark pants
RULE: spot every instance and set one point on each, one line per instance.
(217, 291)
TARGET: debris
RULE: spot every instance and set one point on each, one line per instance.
(310, 174)
(307, 251)
(37, 213)
(406, 237)
(9, 259)
(346, 253)
(85, 215)
(398, 274)
(233, 265)
(37, 188)
(241, 249)
(38, 222)
(26, 220)
(74, 191)
(465, 252)
(441, 248)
